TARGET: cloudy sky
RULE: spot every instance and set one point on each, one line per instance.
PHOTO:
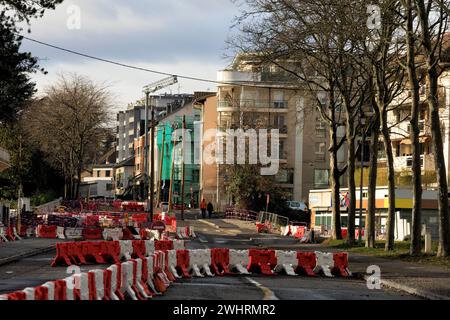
(175, 36)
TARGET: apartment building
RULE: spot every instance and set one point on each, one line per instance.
(264, 96)
(399, 118)
(164, 157)
(130, 123)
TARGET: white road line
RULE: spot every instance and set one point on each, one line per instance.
(268, 294)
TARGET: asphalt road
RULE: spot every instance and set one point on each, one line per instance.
(33, 271)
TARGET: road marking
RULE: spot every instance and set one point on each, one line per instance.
(268, 294)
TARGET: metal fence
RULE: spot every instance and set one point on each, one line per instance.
(276, 221)
(241, 214)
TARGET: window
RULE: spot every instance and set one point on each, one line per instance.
(321, 177)
(320, 128)
(320, 150)
(98, 173)
(109, 186)
(108, 173)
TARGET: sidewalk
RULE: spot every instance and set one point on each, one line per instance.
(15, 250)
(427, 281)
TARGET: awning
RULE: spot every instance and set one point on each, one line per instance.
(405, 141)
(421, 140)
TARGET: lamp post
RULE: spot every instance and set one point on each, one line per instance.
(362, 122)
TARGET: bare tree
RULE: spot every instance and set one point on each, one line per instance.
(413, 84)
(432, 17)
(319, 37)
(68, 124)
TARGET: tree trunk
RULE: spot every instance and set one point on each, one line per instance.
(351, 186)
(439, 161)
(432, 60)
(416, 241)
(335, 184)
(372, 186)
(391, 180)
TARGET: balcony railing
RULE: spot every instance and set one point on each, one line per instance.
(259, 104)
(405, 162)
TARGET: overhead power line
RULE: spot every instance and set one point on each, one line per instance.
(129, 66)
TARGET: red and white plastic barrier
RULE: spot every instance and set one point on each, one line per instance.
(143, 278)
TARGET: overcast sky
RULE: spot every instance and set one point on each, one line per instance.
(176, 36)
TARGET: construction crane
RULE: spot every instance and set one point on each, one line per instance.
(148, 89)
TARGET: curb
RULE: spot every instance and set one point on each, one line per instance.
(209, 223)
(27, 254)
(414, 291)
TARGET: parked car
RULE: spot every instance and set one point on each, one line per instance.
(297, 205)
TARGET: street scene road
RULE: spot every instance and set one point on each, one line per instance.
(34, 270)
(225, 150)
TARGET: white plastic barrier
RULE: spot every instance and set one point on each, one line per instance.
(127, 280)
(126, 249)
(82, 282)
(162, 263)
(31, 232)
(114, 286)
(191, 232)
(178, 244)
(239, 259)
(172, 262)
(74, 233)
(180, 234)
(324, 262)
(200, 260)
(287, 261)
(139, 283)
(70, 286)
(16, 235)
(149, 247)
(114, 234)
(51, 290)
(99, 283)
(3, 234)
(29, 292)
(285, 231)
(150, 268)
(60, 232)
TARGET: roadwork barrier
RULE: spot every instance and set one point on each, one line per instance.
(146, 277)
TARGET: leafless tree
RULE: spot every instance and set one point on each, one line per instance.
(432, 17)
(69, 123)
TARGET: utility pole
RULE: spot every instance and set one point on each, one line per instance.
(152, 160)
(172, 170)
(147, 93)
(161, 159)
(182, 167)
(153, 87)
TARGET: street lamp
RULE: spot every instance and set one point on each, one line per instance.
(362, 122)
(148, 89)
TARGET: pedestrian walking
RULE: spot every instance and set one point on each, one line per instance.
(210, 209)
(203, 208)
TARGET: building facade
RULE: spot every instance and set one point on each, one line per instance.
(130, 123)
(257, 96)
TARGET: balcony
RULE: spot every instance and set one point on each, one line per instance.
(238, 76)
(252, 105)
(4, 159)
(405, 162)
